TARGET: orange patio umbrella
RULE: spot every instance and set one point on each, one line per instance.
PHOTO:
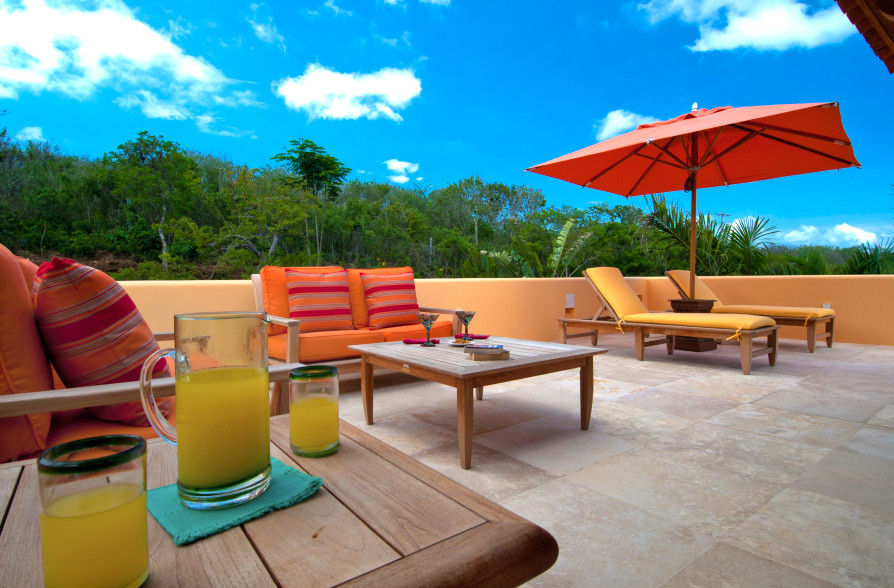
(711, 147)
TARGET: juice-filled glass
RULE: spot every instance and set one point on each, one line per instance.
(223, 408)
(93, 524)
(313, 410)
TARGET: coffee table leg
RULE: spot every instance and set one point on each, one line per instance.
(479, 393)
(586, 393)
(366, 388)
(464, 423)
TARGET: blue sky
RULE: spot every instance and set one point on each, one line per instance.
(427, 92)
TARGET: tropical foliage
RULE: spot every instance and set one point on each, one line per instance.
(151, 209)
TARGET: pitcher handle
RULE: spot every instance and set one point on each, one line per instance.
(161, 425)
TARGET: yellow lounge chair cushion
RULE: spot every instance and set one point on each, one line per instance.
(705, 320)
(681, 279)
(616, 291)
(801, 312)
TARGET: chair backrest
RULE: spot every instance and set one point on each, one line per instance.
(680, 279)
(619, 297)
(258, 290)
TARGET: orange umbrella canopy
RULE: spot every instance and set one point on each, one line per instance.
(721, 146)
(711, 147)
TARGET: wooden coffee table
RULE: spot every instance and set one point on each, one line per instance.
(380, 519)
(452, 366)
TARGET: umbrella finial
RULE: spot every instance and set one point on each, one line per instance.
(694, 106)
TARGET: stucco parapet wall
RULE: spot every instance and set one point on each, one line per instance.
(528, 307)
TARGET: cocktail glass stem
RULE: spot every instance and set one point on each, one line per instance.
(428, 342)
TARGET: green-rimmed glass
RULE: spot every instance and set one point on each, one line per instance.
(313, 410)
(93, 521)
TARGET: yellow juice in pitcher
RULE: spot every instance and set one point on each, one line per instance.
(223, 426)
(96, 538)
(313, 424)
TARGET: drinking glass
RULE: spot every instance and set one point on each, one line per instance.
(427, 319)
(313, 410)
(223, 411)
(93, 524)
(465, 316)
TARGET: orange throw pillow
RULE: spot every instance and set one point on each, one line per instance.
(358, 298)
(320, 301)
(94, 333)
(390, 299)
(23, 361)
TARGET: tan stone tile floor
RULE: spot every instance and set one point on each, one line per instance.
(691, 473)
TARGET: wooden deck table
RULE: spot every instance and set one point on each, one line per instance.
(452, 366)
(381, 518)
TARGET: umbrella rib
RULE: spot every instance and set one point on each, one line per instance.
(808, 149)
(710, 148)
(644, 174)
(801, 133)
(659, 160)
(664, 150)
(613, 166)
(751, 134)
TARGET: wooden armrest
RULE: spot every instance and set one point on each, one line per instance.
(293, 330)
(164, 336)
(69, 398)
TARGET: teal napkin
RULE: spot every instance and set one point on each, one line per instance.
(288, 486)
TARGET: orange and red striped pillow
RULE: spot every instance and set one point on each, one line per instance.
(390, 299)
(93, 332)
(319, 301)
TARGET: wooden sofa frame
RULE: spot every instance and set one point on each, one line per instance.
(809, 323)
(607, 319)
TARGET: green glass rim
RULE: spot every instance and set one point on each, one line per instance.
(47, 462)
(310, 372)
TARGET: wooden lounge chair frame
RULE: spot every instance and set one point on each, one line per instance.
(607, 319)
(810, 323)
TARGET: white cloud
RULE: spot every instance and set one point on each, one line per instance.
(324, 93)
(842, 234)
(265, 31)
(30, 134)
(68, 48)
(401, 170)
(180, 28)
(331, 5)
(394, 41)
(803, 235)
(757, 24)
(206, 123)
(153, 107)
(438, 2)
(619, 121)
(847, 235)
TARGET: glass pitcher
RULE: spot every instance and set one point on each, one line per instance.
(223, 408)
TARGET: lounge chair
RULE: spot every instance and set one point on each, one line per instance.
(795, 316)
(624, 311)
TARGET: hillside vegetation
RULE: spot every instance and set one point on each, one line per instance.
(151, 209)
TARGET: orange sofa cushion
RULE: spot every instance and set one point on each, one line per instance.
(358, 298)
(441, 328)
(93, 332)
(276, 293)
(324, 345)
(319, 301)
(23, 362)
(390, 299)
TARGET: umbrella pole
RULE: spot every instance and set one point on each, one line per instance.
(693, 221)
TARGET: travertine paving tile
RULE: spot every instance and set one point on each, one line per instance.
(633, 423)
(494, 413)
(874, 441)
(836, 403)
(603, 541)
(855, 477)
(787, 424)
(836, 540)
(634, 374)
(691, 406)
(407, 433)
(725, 565)
(732, 387)
(688, 493)
(752, 455)
(555, 444)
(493, 474)
(884, 417)
(548, 398)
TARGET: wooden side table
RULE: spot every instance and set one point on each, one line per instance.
(697, 344)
